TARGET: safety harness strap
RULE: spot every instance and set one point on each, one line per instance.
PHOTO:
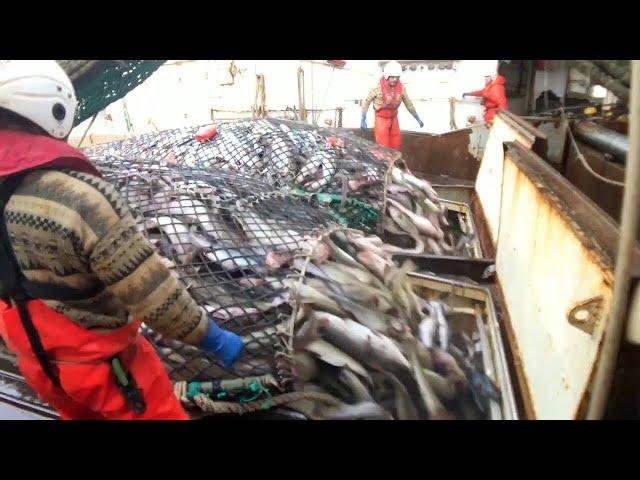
(11, 283)
(16, 289)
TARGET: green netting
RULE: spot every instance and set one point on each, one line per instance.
(109, 81)
(352, 212)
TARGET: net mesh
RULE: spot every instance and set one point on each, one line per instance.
(234, 216)
(282, 153)
(225, 236)
(107, 81)
(349, 176)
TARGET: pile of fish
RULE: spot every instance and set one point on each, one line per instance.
(365, 346)
(281, 153)
(362, 335)
(332, 327)
(293, 155)
(416, 220)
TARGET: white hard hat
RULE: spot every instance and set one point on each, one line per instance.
(40, 91)
(392, 69)
(491, 68)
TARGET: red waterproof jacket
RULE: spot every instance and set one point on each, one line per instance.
(494, 97)
(80, 355)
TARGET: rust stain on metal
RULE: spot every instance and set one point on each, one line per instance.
(486, 244)
(595, 230)
(573, 210)
(548, 213)
(608, 197)
(586, 314)
(446, 155)
(521, 125)
(523, 395)
(529, 135)
(581, 409)
(625, 391)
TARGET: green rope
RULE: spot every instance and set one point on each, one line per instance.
(253, 392)
(257, 389)
(193, 389)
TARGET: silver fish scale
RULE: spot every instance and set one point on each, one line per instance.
(281, 152)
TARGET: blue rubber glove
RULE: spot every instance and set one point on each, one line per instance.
(417, 117)
(466, 94)
(363, 122)
(226, 345)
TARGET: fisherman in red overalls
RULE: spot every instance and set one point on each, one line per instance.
(386, 98)
(76, 276)
(494, 96)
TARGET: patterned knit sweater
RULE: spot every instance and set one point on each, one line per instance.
(73, 229)
(375, 96)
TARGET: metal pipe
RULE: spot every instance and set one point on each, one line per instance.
(630, 221)
(607, 140)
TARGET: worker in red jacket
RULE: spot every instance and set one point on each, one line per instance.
(387, 97)
(494, 96)
(77, 278)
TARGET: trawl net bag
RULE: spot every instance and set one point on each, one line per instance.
(226, 237)
(354, 179)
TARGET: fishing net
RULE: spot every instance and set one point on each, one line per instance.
(282, 153)
(361, 184)
(265, 250)
(100, 83)
(227, 237)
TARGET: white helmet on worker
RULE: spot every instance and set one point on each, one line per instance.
(40, 91)
(492, 69)
(392, 69)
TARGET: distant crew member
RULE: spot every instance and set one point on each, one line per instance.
(494, 96)
(386, 98)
